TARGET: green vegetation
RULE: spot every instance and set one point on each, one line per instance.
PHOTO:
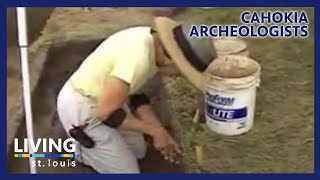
(282, 139)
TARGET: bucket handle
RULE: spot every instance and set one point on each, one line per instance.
(258, 82)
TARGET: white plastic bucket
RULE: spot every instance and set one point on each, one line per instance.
(230, 94)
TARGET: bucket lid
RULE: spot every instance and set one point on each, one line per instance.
(233, 72)
(229, 45)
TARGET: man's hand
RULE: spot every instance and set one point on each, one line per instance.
(163, 142)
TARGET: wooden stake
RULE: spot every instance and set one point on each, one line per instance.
(196, 116)
(199, 154)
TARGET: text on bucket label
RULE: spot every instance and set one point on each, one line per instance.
(226, 115)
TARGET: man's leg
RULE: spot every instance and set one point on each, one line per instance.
(136, 143)
(111, 154)
(134, 140)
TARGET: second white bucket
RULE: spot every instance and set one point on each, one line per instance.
(230, 94)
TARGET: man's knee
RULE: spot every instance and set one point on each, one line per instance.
(136, 143)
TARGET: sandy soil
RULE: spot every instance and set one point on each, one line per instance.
(13, 90)
(282, 139)
(36, 20)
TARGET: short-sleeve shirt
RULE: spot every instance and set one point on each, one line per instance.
(128, 55)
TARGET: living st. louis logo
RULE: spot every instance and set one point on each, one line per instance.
(275, 24)
(46, 148)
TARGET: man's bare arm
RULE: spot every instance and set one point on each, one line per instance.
(146, 114)
(114, 96)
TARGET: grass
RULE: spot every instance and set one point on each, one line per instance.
(282, 139)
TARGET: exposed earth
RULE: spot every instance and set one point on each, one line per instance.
(281, 141)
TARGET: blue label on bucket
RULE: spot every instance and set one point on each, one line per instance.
(225, 115)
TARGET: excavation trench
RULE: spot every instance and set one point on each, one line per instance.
(61, 61)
